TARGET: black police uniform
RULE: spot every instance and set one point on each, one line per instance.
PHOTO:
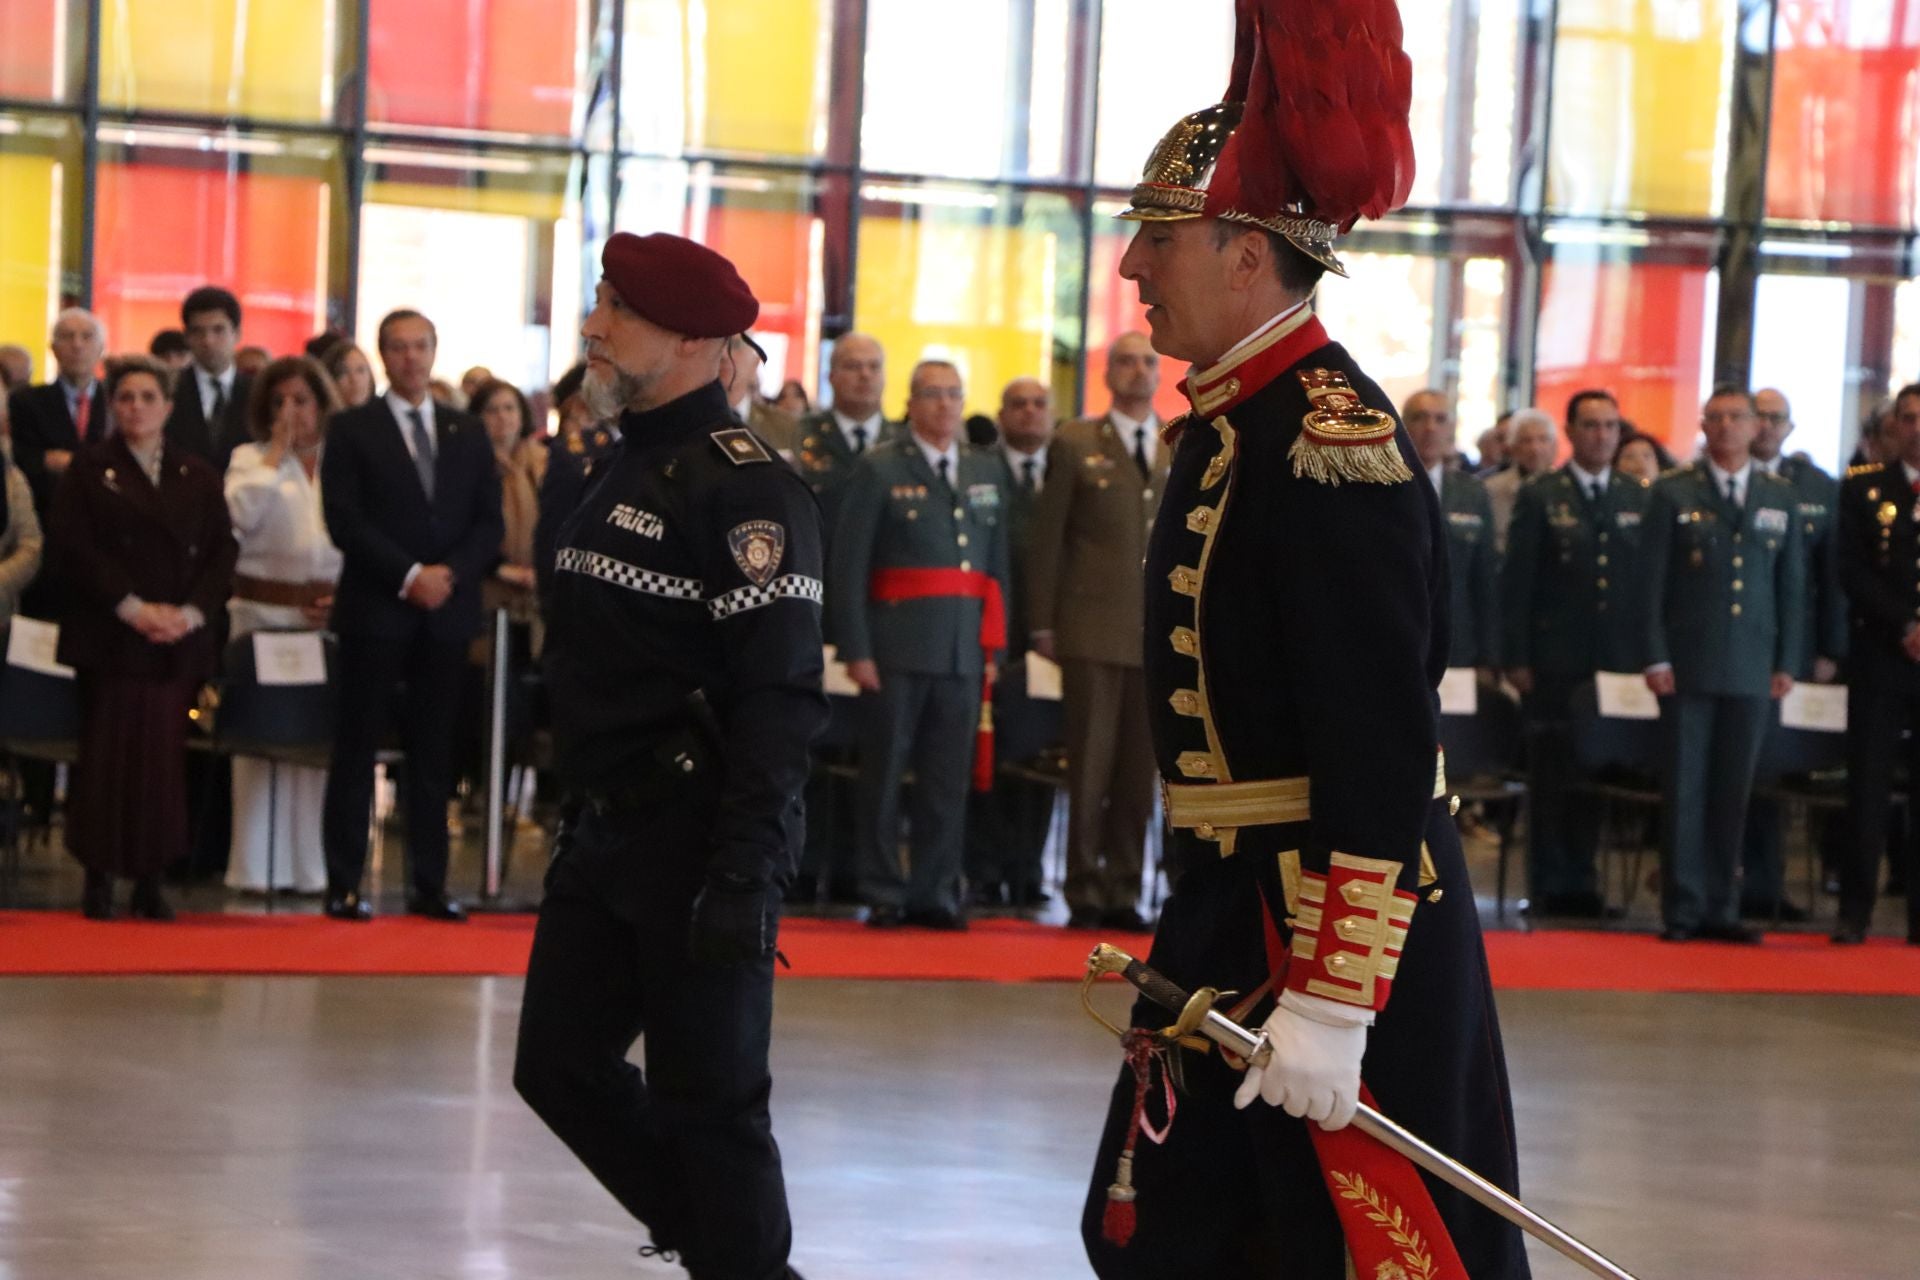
(1878, 542)
(683, 659)
(1297, 629)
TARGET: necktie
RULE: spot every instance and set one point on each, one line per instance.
(946, 479)
(1733, 491)
(859, 441)
(83, 417)
(422, 451)
(1140, 450)
(1030, 467)
(219, 402)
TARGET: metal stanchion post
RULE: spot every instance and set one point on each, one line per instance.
(499, 668)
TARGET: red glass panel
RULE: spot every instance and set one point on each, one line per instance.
(1113, 309)
(773, 250)
(498, 65)
(1639, 331)
(162, 231)
(32, 36)
(1846, 98)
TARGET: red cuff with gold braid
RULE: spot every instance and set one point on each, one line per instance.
(1351, 926)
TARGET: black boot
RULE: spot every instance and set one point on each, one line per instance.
(148, 902)
(96, 899)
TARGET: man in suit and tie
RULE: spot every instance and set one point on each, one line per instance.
(1724, 608)
(833, 440)
(209, 417)
(1533, 439)
(1087, 603)
(917, 586)
(1469, 516)
(413, 502)
(1007, 827)
(53, 421)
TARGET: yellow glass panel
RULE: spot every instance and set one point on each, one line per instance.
(272, 59)
(29, 249)
(981, 296)
(757, 75)
(1640, 106)
(540, 206)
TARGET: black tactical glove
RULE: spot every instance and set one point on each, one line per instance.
(736, 920)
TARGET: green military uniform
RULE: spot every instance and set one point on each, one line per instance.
(1472, 569)
(896, 514)
(825, 457)
(1724, 593)
(1568, 611)
(1816, 499)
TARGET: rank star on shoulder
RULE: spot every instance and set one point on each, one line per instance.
(634, 520)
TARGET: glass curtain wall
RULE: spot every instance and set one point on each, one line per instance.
(1648, 197)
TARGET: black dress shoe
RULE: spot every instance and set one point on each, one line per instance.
(436, 906)
(1084, 918)
(1031, 895)
(1125, 920)
(148, 903)
(1848, 935)
(347, 906)
(1741, 934)
(886, 918)
(96, 898)
(1679, 933)
(938, 918)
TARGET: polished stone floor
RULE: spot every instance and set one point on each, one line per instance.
(365, 1129)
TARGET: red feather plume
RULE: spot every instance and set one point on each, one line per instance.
(1327, 90)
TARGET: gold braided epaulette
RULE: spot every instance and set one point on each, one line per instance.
(1862, 469)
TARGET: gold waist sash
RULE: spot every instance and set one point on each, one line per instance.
(1217, 810)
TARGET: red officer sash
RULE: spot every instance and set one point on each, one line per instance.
(889, 586)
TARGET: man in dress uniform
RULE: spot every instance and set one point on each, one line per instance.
(1723, 581)
(1087, 600)
(1469, 516)
(1879, 553)
(832, 440)
(917, 601)
(683, 656)
(1296, 631)
(1763, 886)
(1568, 607)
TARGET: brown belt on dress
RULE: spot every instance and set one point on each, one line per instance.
(290, 595)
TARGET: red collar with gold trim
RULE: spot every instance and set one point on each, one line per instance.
(1241, 376)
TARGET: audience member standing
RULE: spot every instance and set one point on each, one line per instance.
(352, 373)
(740, 374)
(413, 502)
(1535, 441)
(20, 540)
(1472, 561)
(1724, 590)
(1007, 826)
(918, 583)
(16, 367)
(284, 581)
(170, 348)
(1567, 597)
(832, 441)
(146, 551)
(52, 422)
(1088, 608)
(1878, 541)
(210, 396)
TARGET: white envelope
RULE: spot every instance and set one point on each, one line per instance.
(1816, 708)
(1043, 678)
(1460, 692)
(836, 682)
(1625, 696)
(33, 645)
(289, 658)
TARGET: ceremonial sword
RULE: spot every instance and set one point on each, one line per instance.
(1197, 1016)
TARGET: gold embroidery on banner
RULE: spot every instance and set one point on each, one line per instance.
(1390, 1218)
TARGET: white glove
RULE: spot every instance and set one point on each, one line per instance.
(1314, 1073)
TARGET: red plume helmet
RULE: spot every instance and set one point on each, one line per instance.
(1312, 136)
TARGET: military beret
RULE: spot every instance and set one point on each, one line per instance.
(679, 285)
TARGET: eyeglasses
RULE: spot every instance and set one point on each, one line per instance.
(940, 393)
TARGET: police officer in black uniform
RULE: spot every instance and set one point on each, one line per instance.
(683, 658)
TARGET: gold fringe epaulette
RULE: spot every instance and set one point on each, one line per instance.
(1862, 469)
(1343, 440)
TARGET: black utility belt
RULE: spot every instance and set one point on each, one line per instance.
(662, 772)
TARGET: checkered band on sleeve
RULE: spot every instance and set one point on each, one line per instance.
(622, 574)
(791, 587)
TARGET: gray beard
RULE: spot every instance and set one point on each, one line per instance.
(607, 395)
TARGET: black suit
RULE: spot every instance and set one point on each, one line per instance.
(42, 424)
(384, 524)
(187, 426)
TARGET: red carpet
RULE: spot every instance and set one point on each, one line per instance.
(49, 943)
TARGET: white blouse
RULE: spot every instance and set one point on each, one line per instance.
(278, 520)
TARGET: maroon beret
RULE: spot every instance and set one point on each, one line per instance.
(680, 285)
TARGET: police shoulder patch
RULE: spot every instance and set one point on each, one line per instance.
(758, 546)
(741, 446)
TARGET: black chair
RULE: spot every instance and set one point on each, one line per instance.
(1621, 759)
(1484, 768)
(281, 724)
(1805, 772)
(39, 720)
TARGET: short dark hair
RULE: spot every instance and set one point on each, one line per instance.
(168, 342)
(260, 399)
(210, 297)
(1911, 389)
(120, 368)
(1591, 393)
(477, 403)
(320, 343)
(395, 317)
(1660, 453)
(1727, 390)
(1298, 272)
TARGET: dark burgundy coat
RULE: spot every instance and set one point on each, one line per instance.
(113, 534)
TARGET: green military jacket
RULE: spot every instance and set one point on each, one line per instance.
(1472, 571)
(825, 460)
(1724, 590)
(1020, 502)
(1817, 496)
(895, 515)
(1567, 596)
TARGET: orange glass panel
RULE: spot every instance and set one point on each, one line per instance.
(161, 230)
(505, 66)
(1846, 97)
(34, 44)
(1640, 331)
